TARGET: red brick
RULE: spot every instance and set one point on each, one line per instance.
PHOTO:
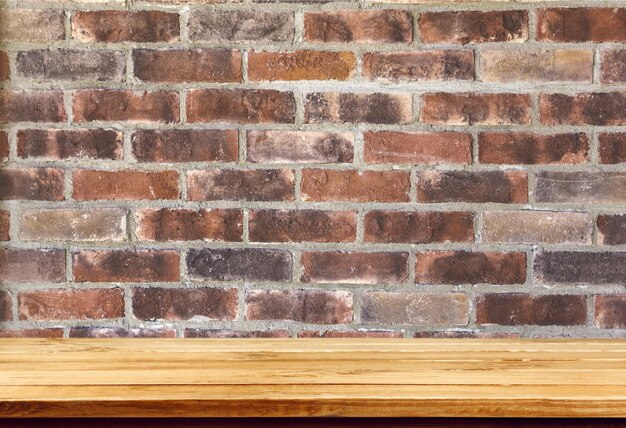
(612, 148)
(126, 266)
(307, 306)
(302, 226)
(72, 65)
(240, 106)
(348, 107)
(31, 106)
(579, 267)
(531, 148)
(578, 187)
(354, 268)
(360, 334)
(110, 332)
(69, 144)
(359, 26)
(169, 224)
(186, 145)
(474, 26)
(417, 148)
(465, 267)
(125, 26)
(41, 184)
(241, 185)
(5, 71)
(4, 146)
(610, 311)
(524, 309)
(299, 147)
(613, 66)
(300, 65)
(355, 186)
(44, 333)
(475, 109)
(187, 65)
(419, 65)
(101, 224)
(230, 334)
(418, 227)
(581, 24)
(121, 105)
(5, 222)
(239, 264)
(125, 185)
(97, 303)
(473, 186)
(219, 25)
(611, 229)
(176, 304)
(589, 108)
(17, 265)
(6, 311)
(32, 26)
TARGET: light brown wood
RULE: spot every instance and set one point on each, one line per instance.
(313, 377)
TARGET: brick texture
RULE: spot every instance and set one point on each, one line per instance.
(312, 168)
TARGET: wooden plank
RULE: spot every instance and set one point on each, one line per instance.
(313, 377)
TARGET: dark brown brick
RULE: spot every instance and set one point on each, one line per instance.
(300, 65)
(611, 229)
(475, 109)
(302, 226)
(185, 145)
(69, 144)
(72, 65)
(125, 26)
(523, 309)
(578, 267)
(17, 265)
(335, 107)
(216, 25)
(473, 186)
(4, 146)
(126, 266)
(470, 267)
(589, 108)
(32, 26)
(121, 105)
(612, 148)
(230, 334)
(5, 71)
(188, 65)
(6, 311)
(308, 306)
(581, 24)
(354, 268)
(359, 26)
(299, 147)
(531, 148)
(418, 227)
(241, 185)
(239, 264)
(240, 106)
(112, 333)
(41, 184)
(611, 311)
(5, 223)
(580, 187)
(613, 66)
(31, 106)
(474, 26)
(169, 224)
(97, 303)
(354, 186)
(175, 304)
(125, 185)
(419, 65)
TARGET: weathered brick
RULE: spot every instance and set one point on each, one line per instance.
(239, 264)
(112, 332)
(69, 144)
(473, 186)
(532, 148)
(418, 227)
(415, 308)
(354, 268)
(102, 224)
(417, 148)
(72, 65)
(41, 184)
(578, 267)
(299, 147)
(475, 109)
(230, 334)
(31, 106)
(43, 333)
(612, 147)
(126, 266)
(184, 304)
(359, 26)
(610, 311)
(360, 334)
(4, 146)
(557, 65)
(581, 24)
(185, 145)
(240, 106)
(474, 26)
(590, 108)
(170, 224)
(419, 65)
(613, 66)
(335, 107)
(5, 223)
(97, 303)
(533, 227)
(300, 65)
(187, 65)
(580, 187)
(611, 229)
(5, 70)
(241, 185)
(464, 334)
(120, 105)
(125, 185)
(307, 306)
(125, 26)
(470, 267)
(524, 309)
(302, 226)
(355, 186)
(32, 26)
(6, 312)
(241, 25)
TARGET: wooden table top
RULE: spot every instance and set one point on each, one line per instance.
(312, 377)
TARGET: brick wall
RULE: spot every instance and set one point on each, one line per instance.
(214, 169)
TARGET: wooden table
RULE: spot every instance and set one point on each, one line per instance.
(312, 378)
